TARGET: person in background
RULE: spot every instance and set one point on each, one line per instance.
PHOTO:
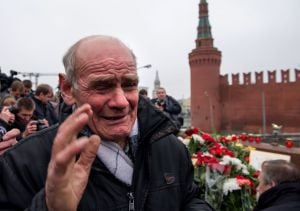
(279, 186)
(168, 105)
(24, 120)
(16, 89)
(144, 93)
(8, 101)
(43, 108)
(114, 152)
(28, 92)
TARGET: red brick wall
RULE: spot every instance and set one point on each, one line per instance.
(241, 106)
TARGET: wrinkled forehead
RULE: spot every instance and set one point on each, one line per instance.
(102, 49)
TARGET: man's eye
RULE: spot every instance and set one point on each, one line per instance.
(102, 86)
(129, 85)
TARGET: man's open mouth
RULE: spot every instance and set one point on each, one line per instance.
(113, 117)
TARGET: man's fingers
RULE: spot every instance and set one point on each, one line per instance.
(64, 159)
(69, 129)
(89, 153)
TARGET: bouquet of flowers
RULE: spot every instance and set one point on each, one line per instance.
(222, 172)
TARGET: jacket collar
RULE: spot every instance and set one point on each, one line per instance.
(282, 193)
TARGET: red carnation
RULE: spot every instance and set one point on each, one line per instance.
(234, 138)
(256, 174)
(207, 137)
(243, 180)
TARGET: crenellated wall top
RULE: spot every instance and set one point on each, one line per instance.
(272, 76)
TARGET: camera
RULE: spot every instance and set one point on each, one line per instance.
(6, 81)
(160, 103)
(40, 125)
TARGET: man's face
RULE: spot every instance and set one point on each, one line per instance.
(262, 186)
(45, 97)
(107, 80)
(27, 90)
(17, 93)
(161, 94)
(25, 115)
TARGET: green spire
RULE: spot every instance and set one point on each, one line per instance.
(204, 28)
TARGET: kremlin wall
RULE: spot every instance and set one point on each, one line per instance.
(252, 104)
(249, 105)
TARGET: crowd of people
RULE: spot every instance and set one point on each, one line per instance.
(112, 148)
(26, 110)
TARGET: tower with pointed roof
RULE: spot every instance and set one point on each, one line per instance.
(205, 62)
(156, 84)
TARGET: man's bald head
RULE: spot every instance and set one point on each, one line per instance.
(97, 48)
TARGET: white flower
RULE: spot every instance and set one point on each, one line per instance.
(186, 141)
(226, 160)
(237, 162)
(230, 185)
(198, 138)
(194, 161)
(245, 169)
(180, 138)
(207, 154)
(229, 137)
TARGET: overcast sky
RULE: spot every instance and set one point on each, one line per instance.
(253, 35)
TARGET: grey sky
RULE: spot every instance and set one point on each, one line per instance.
(253, 35)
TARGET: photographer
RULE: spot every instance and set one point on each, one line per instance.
(6, 82)
(168, 105)
(43, 108)
(24, 118)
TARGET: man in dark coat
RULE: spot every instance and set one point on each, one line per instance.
(279, 187)
(43, 108)
(114, 152)
(168, 105)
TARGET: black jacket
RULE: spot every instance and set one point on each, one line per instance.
(44, 111)
(162, 180)
(283, 197)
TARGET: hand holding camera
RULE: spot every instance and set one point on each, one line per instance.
(160, 104)
(34, 126)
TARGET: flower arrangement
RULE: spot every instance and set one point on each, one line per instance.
(222, 172)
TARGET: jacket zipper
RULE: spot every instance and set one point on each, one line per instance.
(131, 201)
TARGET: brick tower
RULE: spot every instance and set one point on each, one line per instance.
(205, 62)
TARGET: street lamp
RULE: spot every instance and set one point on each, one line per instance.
(147, 66)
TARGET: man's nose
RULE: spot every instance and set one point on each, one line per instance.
(118, 99)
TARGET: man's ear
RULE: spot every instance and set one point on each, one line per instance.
(273, 184)
(66, 90)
